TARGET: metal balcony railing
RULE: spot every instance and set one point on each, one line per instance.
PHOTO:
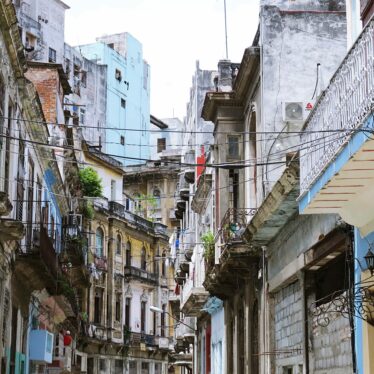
(341, 109)
(234, 223)
(132, 271)
(156, 228)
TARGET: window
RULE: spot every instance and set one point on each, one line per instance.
(233, 143)
(84, 78)
(145, 368)
(157, 196)
(287, 370)
(163, 314)
(143, 308)
(30, 42)
(82, 116)
(163, 264)
(118, 75)
(123, 103)
(118, 307)
(52, 55)
(122, 140)
(128, 253)
(113, 190)
(158, 368)
(161, 144)
(143, 259)
(98, 305)
(127, 312)
(118, 366)
(99, 242)
(118, 245)
(67, 66)
(102, 366)
(133, 367)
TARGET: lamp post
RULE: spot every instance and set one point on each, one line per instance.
(156, 309)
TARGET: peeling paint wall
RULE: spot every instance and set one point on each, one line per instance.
(293, 42)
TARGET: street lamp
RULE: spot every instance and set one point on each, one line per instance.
(369, 259)
(156, 309)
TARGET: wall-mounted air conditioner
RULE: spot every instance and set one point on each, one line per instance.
(296, 111)
(41, 346)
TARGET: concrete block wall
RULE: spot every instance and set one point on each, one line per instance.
(288, 326)
(332, 346)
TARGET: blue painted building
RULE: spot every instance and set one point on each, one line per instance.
(127, 96)
(214, 307)
(337, 170)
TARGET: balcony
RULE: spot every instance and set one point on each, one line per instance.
(189, 173)
(202, 194)
(132, 272)
(137, 222)
(183, 189)
(192, 299)
(233, 225)
(337, 167)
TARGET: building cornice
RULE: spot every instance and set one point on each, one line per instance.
(244, 83)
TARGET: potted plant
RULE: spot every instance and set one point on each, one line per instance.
(208, 244)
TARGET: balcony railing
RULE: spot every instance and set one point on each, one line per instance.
(134, 272)
(341, 109)
(234, 223)
(156, 228)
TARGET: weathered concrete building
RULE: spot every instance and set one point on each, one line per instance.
(262, 270)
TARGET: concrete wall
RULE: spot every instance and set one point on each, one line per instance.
(50, 15)
(134, 89)
(288, 327)
(292, 45)
(332, 351)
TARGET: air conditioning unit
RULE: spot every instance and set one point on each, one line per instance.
(296, 111)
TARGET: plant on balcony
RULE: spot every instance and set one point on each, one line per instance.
(150, 206)
(91, 182)
(88, 210)
(208, 244)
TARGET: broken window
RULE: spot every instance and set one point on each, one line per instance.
(122, 140)
(123, 103)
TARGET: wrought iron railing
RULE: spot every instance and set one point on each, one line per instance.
(341, 109)
(234, 223)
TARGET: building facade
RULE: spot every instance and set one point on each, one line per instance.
(344, 163)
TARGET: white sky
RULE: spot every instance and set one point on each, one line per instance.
(174, 34)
